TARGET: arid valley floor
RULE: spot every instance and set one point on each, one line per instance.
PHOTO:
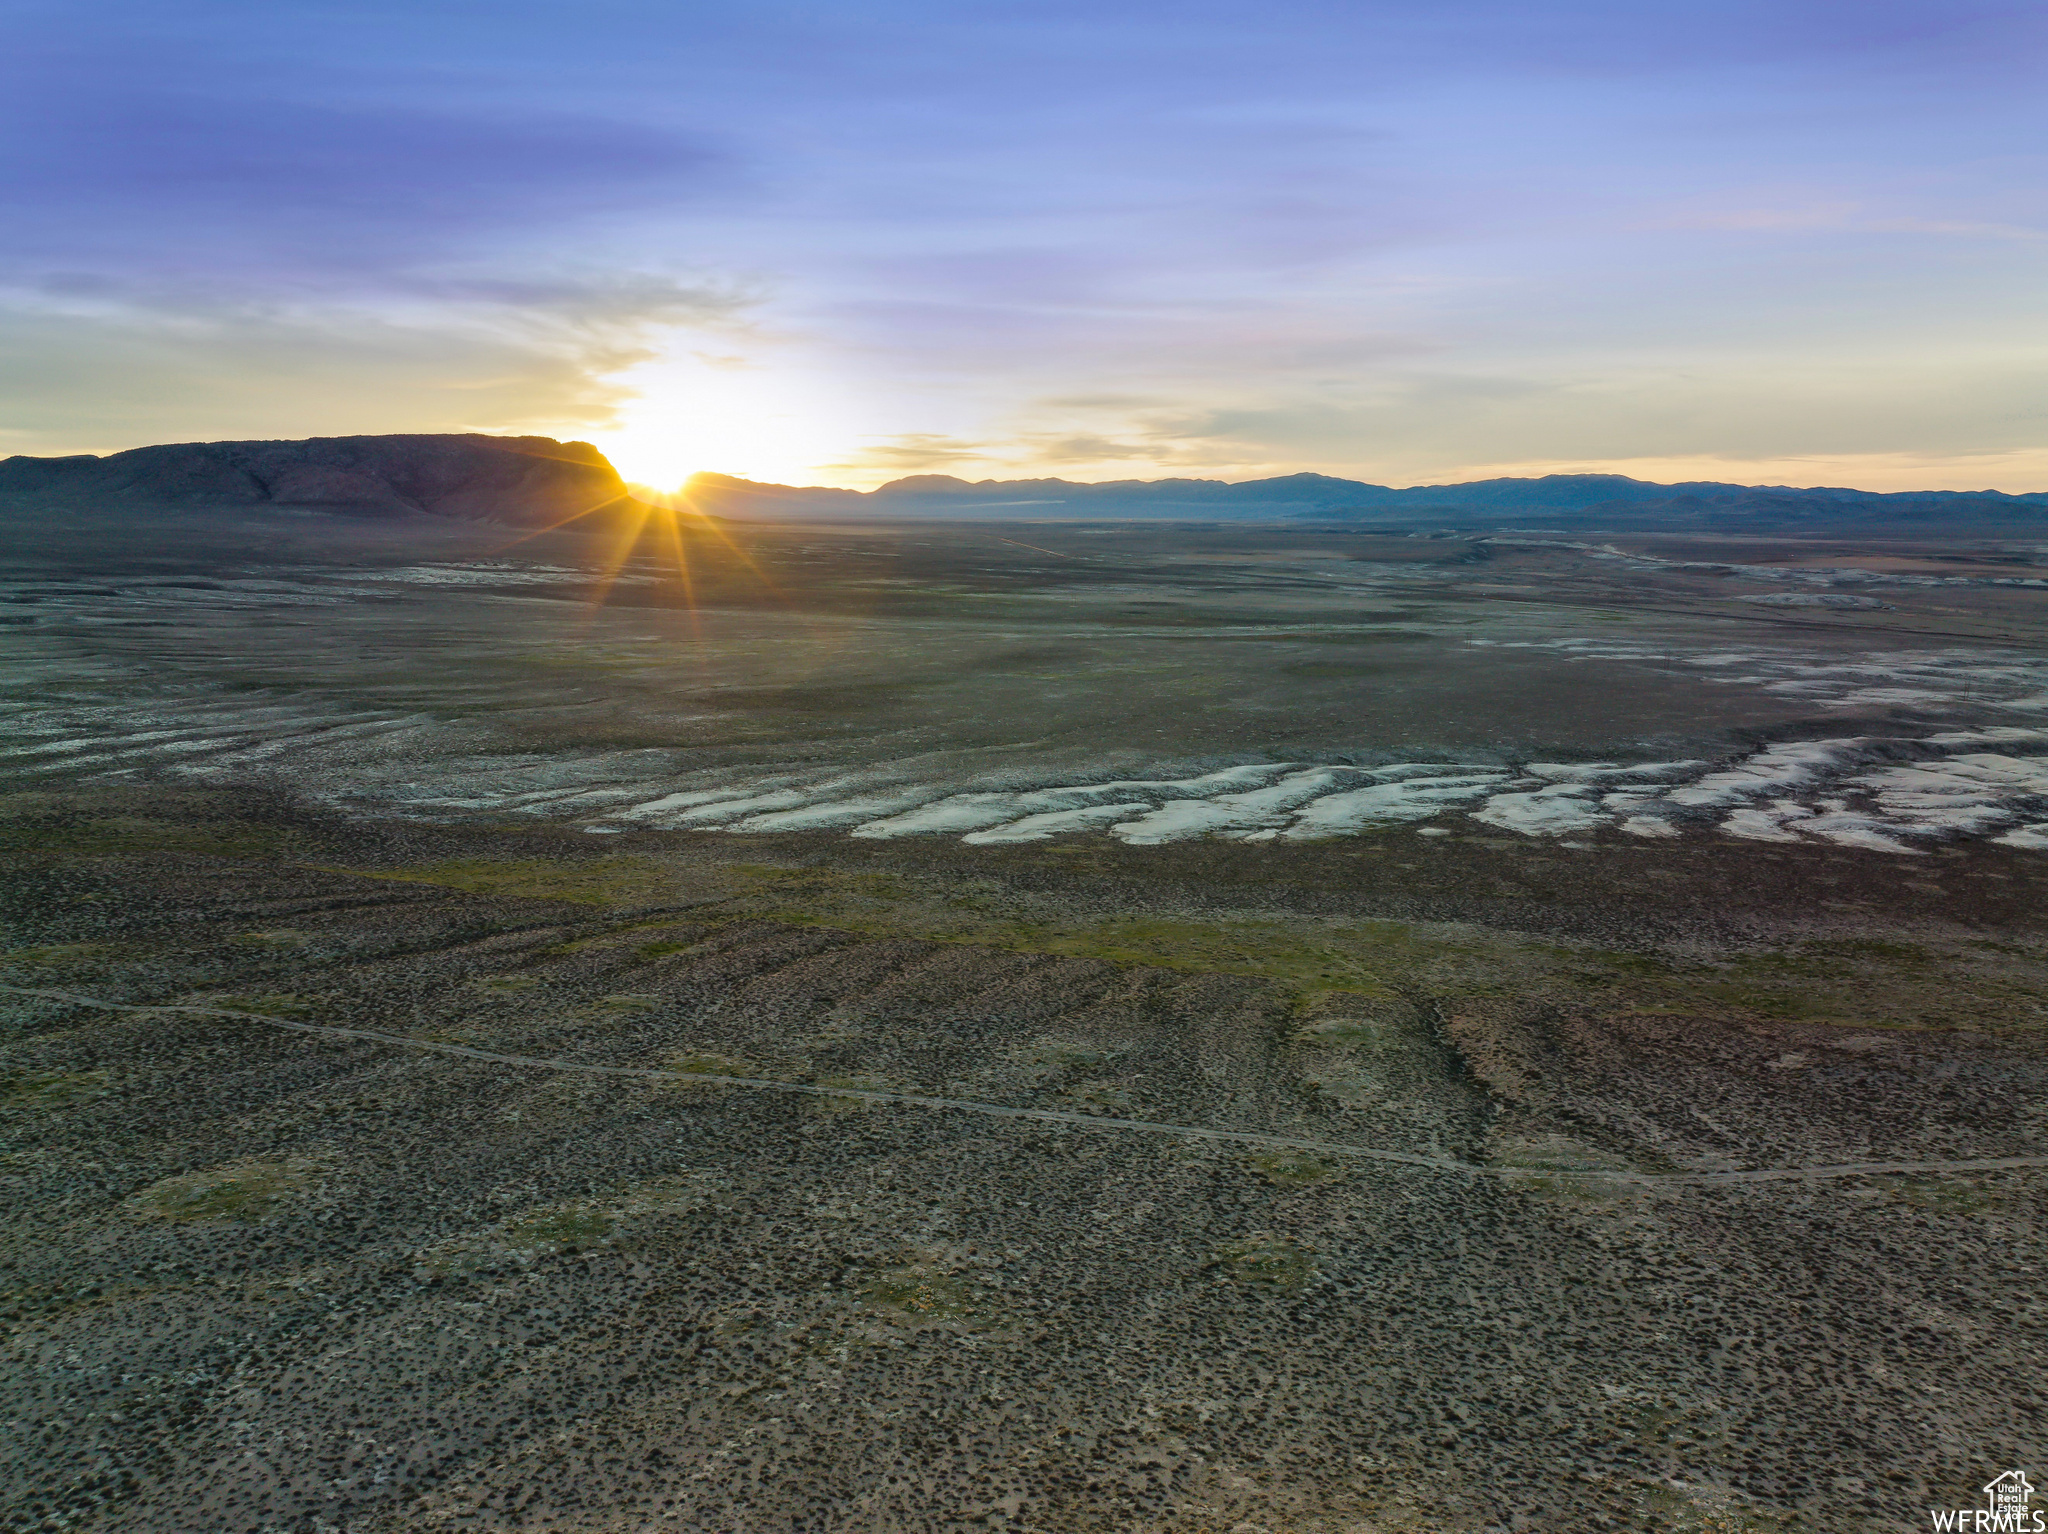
(1170, 1028)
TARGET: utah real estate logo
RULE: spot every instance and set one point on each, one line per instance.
(2005, 1511)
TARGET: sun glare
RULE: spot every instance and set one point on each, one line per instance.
(694, 413)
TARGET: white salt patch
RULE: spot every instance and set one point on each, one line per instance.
(1174, 821)
(1431, 831)
(843, 812)
(960, 812)
(1208, 783)
(548, 798)
(1552, 811)
(1966, 795)
(2034, 836)
(1856, 831)
(739, 809)
(1777, 767)
(976, 811)
(1389, 803)
(1590, 771)
(1999, 734)
(1179, 819)
(1811, 599)
(84, 741)
(1773, 825)
(1874, 696)
(1648, 825)
(1763, 825)
(1395, 771)
(1978, 772)
(554, 804)
(1034, 828)
(769, 795)
(679, 801)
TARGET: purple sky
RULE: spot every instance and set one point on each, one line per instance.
(1793, 242)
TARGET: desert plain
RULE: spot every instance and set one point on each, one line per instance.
(1171, 1027)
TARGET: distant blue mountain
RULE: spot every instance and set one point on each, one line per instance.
(536, 480)
(1320, 496)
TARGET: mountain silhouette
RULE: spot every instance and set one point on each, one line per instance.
(537, 481)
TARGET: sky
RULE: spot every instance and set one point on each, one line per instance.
(1407, 241)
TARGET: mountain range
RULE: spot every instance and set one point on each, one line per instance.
(1322, 497)
(537, 481)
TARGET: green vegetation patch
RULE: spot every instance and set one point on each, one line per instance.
(1347, 1088)
(50, 1089)
(713, 1065)
(1294, 1169)
(56, 955)
(285, 939)
(41, 1302)
(505, 985)
(1563, 1169)
(922, 1293)
(1061, 1055)
(1834, 982)
(545, 1232)
(1940, 1195)
(96, 836)
(597, 882)
(1325, 962)
(560, 1230)
(517, 1243)
(648, 952)
(1685, 1509)
(1348, 1031)
(250, 1191)
(1104, 1098)
(1266, 1262)
(1333, 971)
(1315, 961)
(1332, 670)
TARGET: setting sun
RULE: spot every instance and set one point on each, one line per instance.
(695, 412)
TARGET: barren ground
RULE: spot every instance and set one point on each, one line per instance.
(1448, 1173)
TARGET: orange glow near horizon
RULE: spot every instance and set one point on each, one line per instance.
(691, 413)
(657, 525)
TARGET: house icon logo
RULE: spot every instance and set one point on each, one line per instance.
(2006, 1510)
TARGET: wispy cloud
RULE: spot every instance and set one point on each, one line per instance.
(1850, 218)
(104, 365)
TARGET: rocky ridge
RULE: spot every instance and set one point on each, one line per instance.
(520, 480)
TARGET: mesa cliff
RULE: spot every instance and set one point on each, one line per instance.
(526, 481)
